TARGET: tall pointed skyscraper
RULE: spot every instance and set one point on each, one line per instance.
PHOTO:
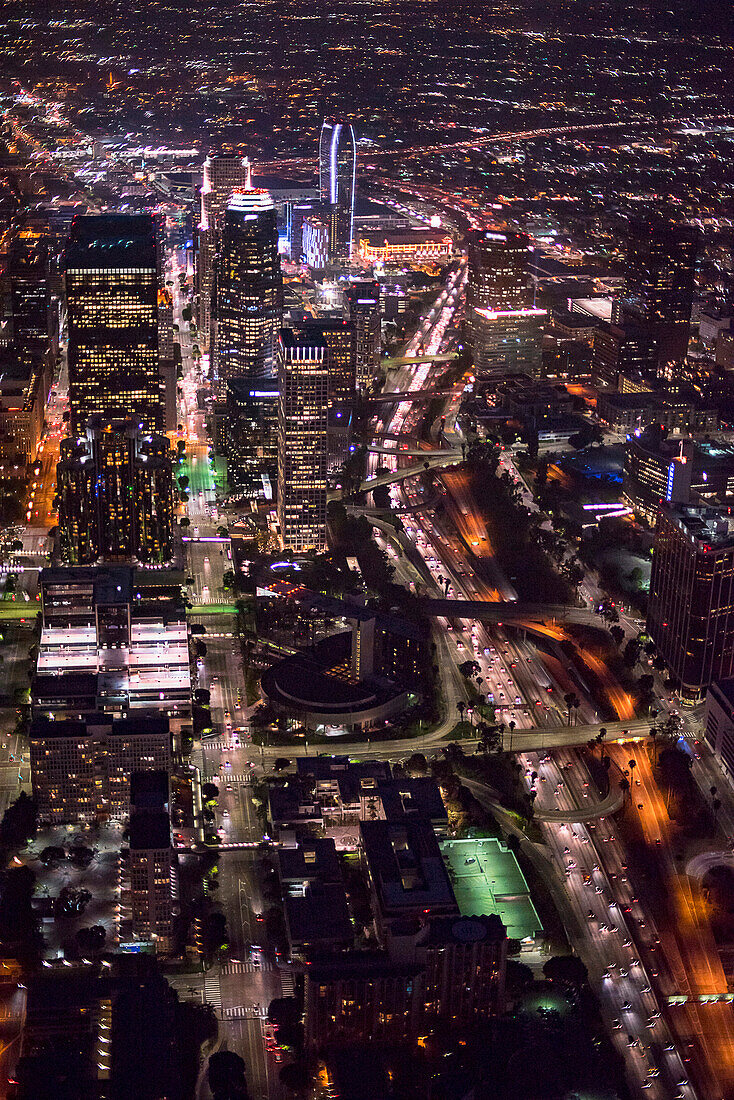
(248, 294)
(221, 176)
(337, 176)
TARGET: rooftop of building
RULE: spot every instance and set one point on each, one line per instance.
(313, 859)
(149, 790)
(355, 965)
(406, 866)
(487, 881)
(141, 725)
(334, 767)
(111, 241)
(405, 798)
(723, 692)
(709, 528)
(713, 451)
(318, 916)
(567, 318)
(417, 236)
(150, 830)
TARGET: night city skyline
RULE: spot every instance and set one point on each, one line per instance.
(366, 550)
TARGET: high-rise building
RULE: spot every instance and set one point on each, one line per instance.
(81, 767)
(625, 349)
(112, 307)
(689, 615)
(504, 327)
(340, 340)
(115, 488)
(221, 176)
(658, 286)
(362, 310)
(30, 298)
(337, 176)
(151, 862)
(507, 342)
(23, 393)
(251, 436)
(248, 295)
(303, 408)
(498, 275)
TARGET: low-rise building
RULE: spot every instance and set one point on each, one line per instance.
(630, 412)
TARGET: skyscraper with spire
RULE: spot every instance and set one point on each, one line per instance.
(337, 176)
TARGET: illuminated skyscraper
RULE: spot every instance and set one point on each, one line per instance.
(303, 405)
(112, 307)
(658, 286)
(115, 494)
(504, 327)
(221, 176)
(498, 276)
(248, 295)
(362, 311)
(340, 340)
(691, 595)
(337, 175)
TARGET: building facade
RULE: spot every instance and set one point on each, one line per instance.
(303, 408)
(691, 610)
(658, 286)
(507, 342)
(112, 307)
(248, 295)
(362, 311)
(221, 176)
(81, 768)
(622, 349)
(115, 489)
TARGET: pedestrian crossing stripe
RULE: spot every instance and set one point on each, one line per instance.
(245, 967)
(227, 777)
(286, 983)
(212, 990)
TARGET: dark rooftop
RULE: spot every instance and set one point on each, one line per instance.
(150, 830)
(111, 240)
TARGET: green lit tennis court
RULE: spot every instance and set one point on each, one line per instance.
(486, 878)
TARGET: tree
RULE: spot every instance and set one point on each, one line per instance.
(295, 1077)
(19, 823)
(228, 578)
(90, 940)
(469, 668)
(51, 854)
(284, 1010)
(80, 855)
(223, 532)
(184, 522)
(461, 707)
(281, 763)
(183, 481)
(71, 902)
(209, 792)
(197, 629)
(568, 969)
(617, 634)
(225, 1076)
(631, 653)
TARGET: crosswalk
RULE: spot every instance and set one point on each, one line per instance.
(286, 983)
(243, 1012)
(228, 777)
(212, 991)
(245, 967)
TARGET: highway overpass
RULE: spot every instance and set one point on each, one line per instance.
(408, 360)
(505, 611)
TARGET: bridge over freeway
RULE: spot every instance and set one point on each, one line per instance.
(408, 395)
(413, 452)
(507, 611)
(433, 461)
(408, 360)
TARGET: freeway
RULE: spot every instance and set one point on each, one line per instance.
(609, 921)
(406, 451)
(682, 925)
